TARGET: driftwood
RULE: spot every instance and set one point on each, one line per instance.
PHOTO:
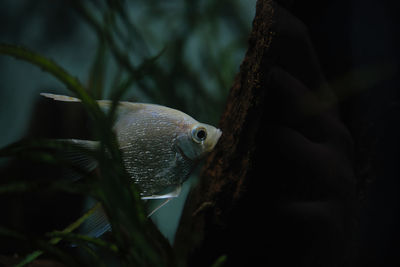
(279, 186)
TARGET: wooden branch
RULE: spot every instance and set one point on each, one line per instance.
(224, 175)
(279, 187)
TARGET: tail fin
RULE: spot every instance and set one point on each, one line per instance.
(61, 97)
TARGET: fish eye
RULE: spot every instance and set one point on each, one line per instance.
(199, 134)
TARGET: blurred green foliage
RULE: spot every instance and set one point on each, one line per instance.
(182, 54)
(119, 198)
(198, 46)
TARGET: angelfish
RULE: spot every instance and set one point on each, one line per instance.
(160, 147)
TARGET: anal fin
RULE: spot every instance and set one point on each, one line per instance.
(97, 223)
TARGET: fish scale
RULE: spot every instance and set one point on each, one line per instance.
(160, 146)
(151, 145)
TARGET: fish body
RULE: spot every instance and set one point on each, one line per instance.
(160, 145)
(149, 137)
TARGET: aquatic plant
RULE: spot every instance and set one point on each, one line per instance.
(119, 198)
(123, 61)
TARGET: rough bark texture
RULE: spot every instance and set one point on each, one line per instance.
(227, 168)
(279, 187)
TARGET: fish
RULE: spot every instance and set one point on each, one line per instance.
(160, 147)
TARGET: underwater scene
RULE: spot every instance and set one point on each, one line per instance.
(199, 133)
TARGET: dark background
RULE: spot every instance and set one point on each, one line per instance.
(356, 43)
(350, 35)
(316, 189)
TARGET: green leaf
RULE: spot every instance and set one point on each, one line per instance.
(220, 261)
(84, 238)
(56, 71)
(11, 233)
(55, 240)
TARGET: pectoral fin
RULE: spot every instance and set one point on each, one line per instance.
(159, 206)
(172, 194)
(168, 196)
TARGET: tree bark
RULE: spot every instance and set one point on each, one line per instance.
(222, 178)
(279, 186)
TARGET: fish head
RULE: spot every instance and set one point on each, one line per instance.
(198, 140)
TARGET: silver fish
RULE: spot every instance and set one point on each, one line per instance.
(160, 145)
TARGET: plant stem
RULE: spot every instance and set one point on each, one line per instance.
(54, 241)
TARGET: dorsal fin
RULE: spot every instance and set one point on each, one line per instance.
(61, 97)
(104, 104)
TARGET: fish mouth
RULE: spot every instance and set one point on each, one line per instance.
(218, 135)
(214, 140)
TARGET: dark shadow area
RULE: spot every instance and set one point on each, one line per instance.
(42, 209)
(319, 187)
